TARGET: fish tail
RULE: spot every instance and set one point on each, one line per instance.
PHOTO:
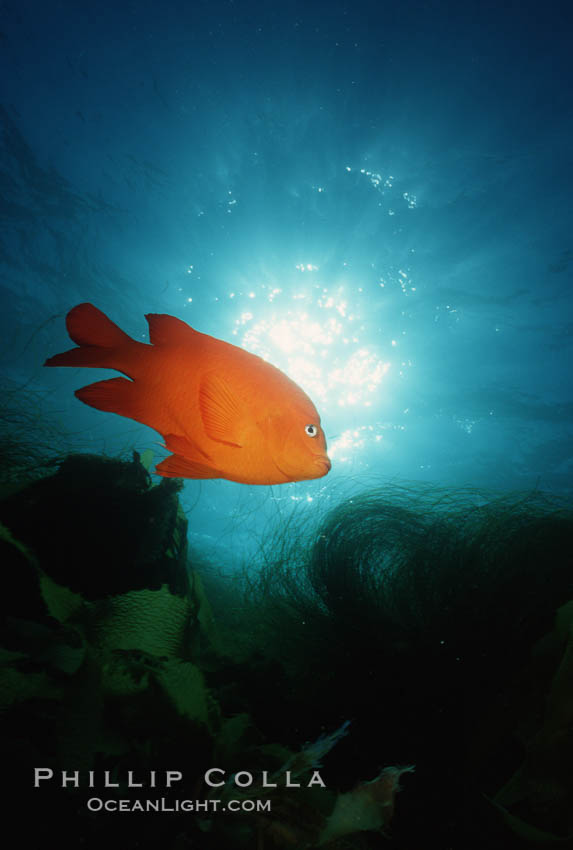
(102, 344)
(97, 336)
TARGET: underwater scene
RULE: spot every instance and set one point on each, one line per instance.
(286, 424)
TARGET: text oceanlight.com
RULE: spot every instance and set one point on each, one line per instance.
(97, 804)
(214, 778)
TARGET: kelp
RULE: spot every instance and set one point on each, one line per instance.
(537, 801)
(30, 440)
(415, 609)
(109, 662)
(416, 613)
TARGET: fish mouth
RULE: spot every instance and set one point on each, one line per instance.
(324, 463)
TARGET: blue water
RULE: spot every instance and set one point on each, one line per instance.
(374, 196)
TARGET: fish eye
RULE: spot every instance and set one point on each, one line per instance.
(311, 430)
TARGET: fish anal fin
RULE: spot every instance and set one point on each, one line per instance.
(168, 330)
(185, 446)
(221, 411)
(177, 466)
(116, 395)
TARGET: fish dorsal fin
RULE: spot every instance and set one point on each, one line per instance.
(168, 330)
(221, 410)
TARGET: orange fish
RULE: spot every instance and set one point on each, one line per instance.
(223, 412)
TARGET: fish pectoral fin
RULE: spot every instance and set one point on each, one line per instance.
(177, 466)
(186, 447)
(221, 411)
